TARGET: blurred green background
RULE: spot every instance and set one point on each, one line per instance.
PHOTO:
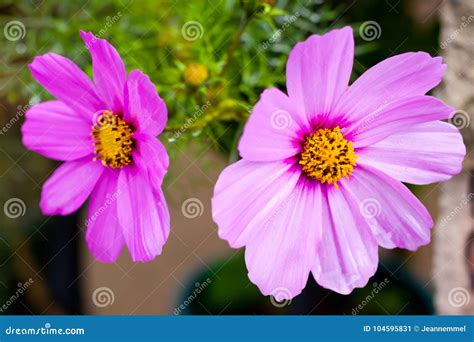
(210, 60)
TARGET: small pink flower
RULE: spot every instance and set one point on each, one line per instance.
(319, 186)
(105, 134)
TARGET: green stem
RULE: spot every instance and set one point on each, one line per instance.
(235, 43)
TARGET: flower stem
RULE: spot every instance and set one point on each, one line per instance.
(235, 43)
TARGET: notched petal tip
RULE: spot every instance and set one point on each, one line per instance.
(39, 62)
(87, 37)
(69, 186)
(341, 33)
(280, 294)
(347, 289)
(99, 255)
(47, 210)
(318, 71)
(144, 258)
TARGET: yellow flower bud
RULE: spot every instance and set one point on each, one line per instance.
(195, 74)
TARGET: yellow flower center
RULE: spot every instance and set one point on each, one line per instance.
(113, 140)
(327, 156)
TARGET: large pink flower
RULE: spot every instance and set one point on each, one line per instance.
(319, 186)
(104, 131)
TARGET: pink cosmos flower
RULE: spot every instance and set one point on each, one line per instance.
(104, 131)
(319, 186)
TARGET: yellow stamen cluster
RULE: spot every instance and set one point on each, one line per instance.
(327, 156)
(113, 140)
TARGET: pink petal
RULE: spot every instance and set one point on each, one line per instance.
(422, 154)
(396, 217)
(56, 132)
(109, 71)
(104, 235)
(154, 157)
(246, 194)
(406, 75)
(143, 106)
(348, 253)
(280, 256)
(397, 117)
(69, 186)
(271, 133)
(143, 214)
(65, 81)
(318, 71)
